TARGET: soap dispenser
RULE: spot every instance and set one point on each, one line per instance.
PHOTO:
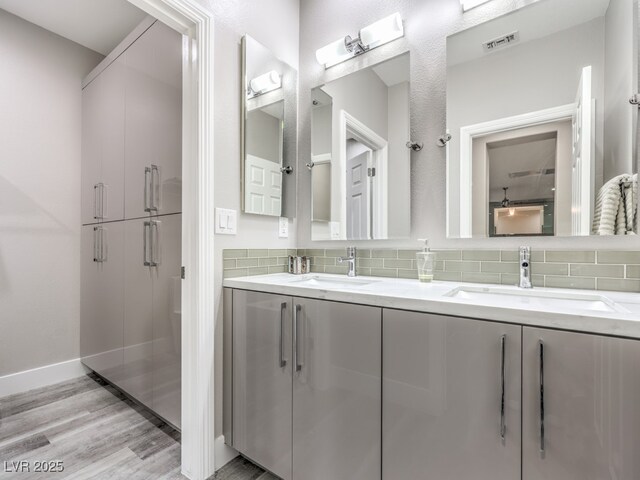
(426, 260)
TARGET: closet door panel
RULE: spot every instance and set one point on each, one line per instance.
(102, 299)
(91, 141)
(111, 122)
(167, 318)
(138, 315)
(153, 123)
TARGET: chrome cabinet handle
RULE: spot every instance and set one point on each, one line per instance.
(541, 353)
(98, 201)
(283, 309)
(155, 241)
(155, 188)
(95, 244)
(298, 355)
(145, 239)
(147, 179)
(99, 250)
(503, 424)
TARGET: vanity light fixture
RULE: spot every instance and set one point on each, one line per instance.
(265, 83)
(469, 4)
(378, 33)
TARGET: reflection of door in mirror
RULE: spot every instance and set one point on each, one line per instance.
(263, 159)
(359, 191)
(361, 197)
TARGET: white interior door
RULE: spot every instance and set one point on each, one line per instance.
(583, 158)
(263, 186)
(358, 202)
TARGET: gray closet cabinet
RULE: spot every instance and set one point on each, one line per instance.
(103, 145)
(306, 386)
(153, 124)
(102, 299)
(589, 388)
(451, 390)
(132, 127)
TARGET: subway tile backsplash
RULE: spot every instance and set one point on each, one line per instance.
(591, 270)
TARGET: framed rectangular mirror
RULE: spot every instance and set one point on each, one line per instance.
(269, 140)
(543, 133)
(360, 165)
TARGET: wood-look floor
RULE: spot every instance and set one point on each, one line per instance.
(97, 433)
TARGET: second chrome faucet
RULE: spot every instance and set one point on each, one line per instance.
(350, 259)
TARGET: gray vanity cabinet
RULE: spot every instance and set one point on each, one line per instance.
(336, 391)
(306, 386)
(589, 426)
(451, 390)
(262, 379)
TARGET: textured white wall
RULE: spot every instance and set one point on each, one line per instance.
(40, 138)
(427, 24)
(273, 23)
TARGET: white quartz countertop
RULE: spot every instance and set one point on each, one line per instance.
(512, 305)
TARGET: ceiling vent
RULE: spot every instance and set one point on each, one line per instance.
(501, 42)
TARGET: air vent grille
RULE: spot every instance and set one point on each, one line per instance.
(501, 42)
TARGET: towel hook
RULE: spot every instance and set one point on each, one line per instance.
(415, 146)
(444, 139)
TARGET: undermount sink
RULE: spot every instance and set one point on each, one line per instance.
(505, 297)
(333, 282)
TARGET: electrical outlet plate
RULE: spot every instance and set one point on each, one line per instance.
(226, 221)
(283, 228)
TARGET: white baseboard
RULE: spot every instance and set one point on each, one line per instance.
(41, 377)
(222, 452)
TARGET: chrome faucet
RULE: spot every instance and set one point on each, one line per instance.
(351, 260)
(525, 267)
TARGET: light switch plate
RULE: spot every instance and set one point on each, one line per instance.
(226, 221)
(283, 228)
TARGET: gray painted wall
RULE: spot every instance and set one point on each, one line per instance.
(264, 139)
(619, 79)
(40, 141)
(427, 23)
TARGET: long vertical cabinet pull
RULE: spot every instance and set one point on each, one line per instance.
(99, 201)
(541, 354)
(155, 188)
(155, 243)
(146, 261)
(283, 311)
(503, 424)
(296, 334)
(99, 245)
(147, 189)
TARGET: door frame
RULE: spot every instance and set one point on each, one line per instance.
(196, 25)
(470, 132)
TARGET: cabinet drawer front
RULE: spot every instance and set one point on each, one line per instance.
(336, 392)
(444, 415)
(580, 417)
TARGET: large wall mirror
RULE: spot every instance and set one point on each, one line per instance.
(360, 165)
(543, 133)
(269, 104)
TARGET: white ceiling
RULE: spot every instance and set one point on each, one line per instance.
(534, 21)
(96, 24)
(532, 153)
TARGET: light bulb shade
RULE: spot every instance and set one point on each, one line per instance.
(333, 53)
(469, 4)
(266, 82)
(382, 31)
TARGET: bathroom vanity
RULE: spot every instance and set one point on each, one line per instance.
(365, 378)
